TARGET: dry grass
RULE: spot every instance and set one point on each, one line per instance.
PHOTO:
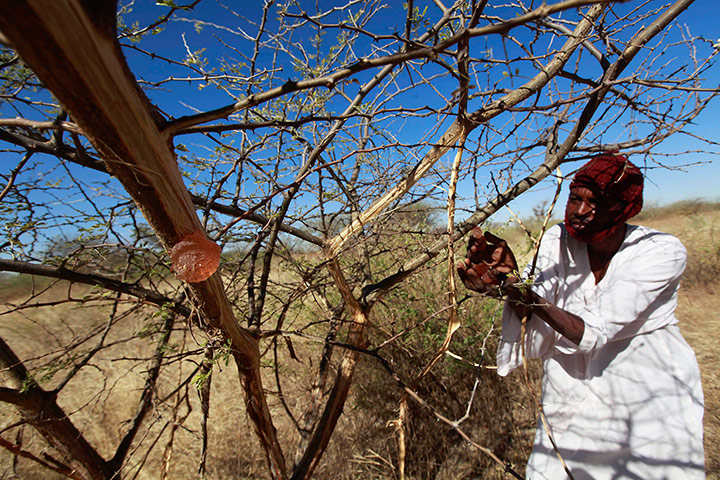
(698, 226)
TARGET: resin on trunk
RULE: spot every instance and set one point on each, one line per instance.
(195, 258)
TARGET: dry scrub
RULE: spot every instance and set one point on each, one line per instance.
(364, 446)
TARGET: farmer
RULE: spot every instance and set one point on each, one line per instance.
(621, 387)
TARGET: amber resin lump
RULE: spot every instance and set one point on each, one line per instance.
(195, 258)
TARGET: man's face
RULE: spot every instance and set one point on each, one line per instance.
(587, 214)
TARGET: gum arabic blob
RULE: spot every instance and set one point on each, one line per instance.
(480, 255)
(195, 257)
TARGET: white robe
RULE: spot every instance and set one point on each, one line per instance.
(627, 402)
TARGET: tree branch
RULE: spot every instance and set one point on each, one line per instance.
(63, 273)
(329, 81)
(40, 409)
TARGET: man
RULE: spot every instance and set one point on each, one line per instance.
(621, 387)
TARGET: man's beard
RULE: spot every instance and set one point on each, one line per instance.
(587, 233)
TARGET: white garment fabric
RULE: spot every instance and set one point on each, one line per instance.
(626, 403)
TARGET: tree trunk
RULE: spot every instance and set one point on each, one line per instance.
(71, 46)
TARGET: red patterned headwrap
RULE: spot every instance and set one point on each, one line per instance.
(613, 179)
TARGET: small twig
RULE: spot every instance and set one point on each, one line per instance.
(55, 466)
(13, 175)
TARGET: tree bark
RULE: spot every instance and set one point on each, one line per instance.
(357, 338)
(39, 409)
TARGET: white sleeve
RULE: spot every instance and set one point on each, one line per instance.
(540, 338)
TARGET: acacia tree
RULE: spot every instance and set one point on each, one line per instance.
(308, 142)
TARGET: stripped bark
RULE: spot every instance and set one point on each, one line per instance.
(357, 338)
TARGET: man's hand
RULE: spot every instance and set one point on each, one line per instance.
(489, 263)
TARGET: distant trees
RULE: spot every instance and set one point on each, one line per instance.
(334, 154)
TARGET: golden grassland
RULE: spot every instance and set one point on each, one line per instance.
(364, 444)
(698, 227)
